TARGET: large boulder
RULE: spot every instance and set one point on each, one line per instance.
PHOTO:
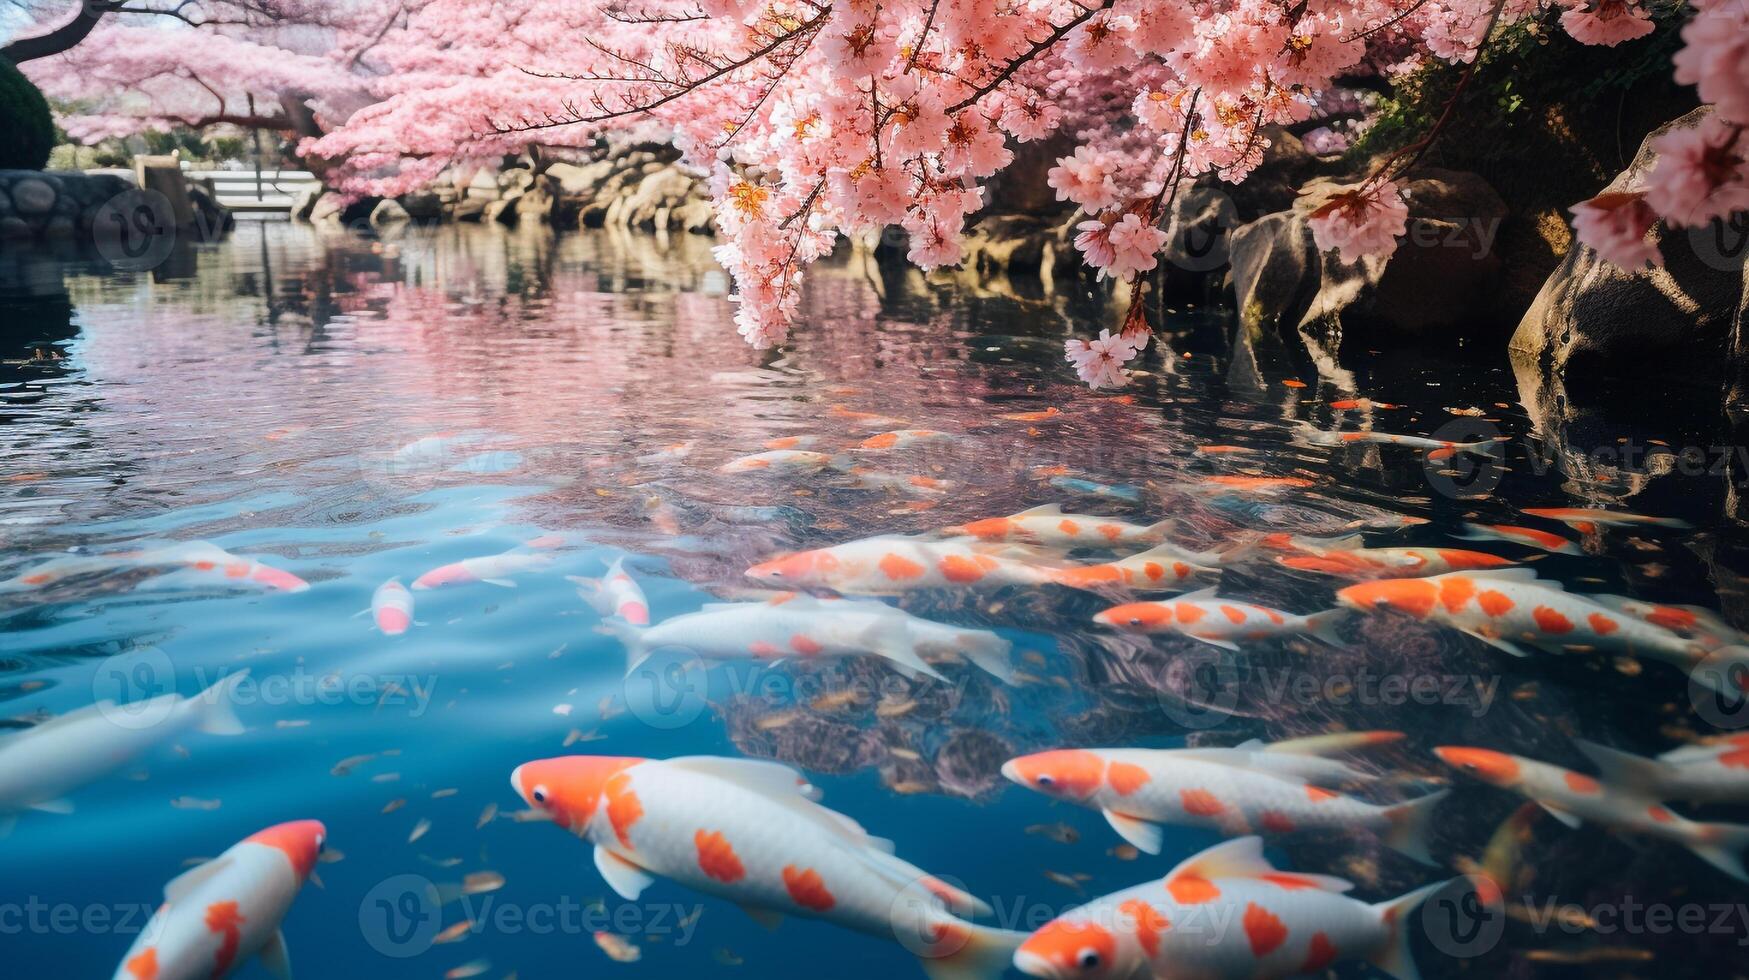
(658, 193)
(1594, 321)
(1440, 282)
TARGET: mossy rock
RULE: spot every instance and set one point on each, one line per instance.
(26, 121)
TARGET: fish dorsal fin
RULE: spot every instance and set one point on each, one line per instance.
(1241, 857)
(765, 778)
(1252, 745)
(179, 887)
(1200, 595)
(1043, 510)
(1624, 770)
(1167, 552)
(1332, 743)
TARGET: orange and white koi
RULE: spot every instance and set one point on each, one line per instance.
(1344, 404)
(1217, 789)
(391, 605)
(1289, 924)
(1586, 520)
(1348, 557)
(63, 567)
(1716, 772)
(491, 569)
(1049, 413)
(219, 915)
(895, 565)
(866, 479)
(786, 461)
(1202, 615)
(1698, 623)
(1161, 569)
(793, 442)
(204, 564)
(1528, 536)
(1050, 527)
(1574, 798)
(1508, 606)
(41, 766)
(798, 626)
(903, 439)
(615, 594)
(1256, 484)
(1436, 449)
(763, 843)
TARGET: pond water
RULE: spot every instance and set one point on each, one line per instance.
(352, 411)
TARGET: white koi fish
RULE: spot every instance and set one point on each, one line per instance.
(1586, 520)
(1289, 924)
(1161, 569)
(1573, 798)
(801, 627)
(894, 565)
(1527, 536)
(1349, 558)
(218, 915)
(984, 648)
(615, 594)
(64, 567)
(762, 843)
(797, 461)
(41, 766)
(492, 569)
(793, 442)
(1710, 773)
(903, 439)
(1436, 449)
(1508, 606)
(391, 605)
(1050, 527)
(867, 479)
(1202, 615)
(1698, 623)
(1139, 789)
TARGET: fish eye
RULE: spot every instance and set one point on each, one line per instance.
(1135, 620)
(539, 794)
(1043, 780)
(1087, 959)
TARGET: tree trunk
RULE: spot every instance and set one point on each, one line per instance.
(61, 38)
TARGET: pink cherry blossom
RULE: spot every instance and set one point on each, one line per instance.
(1605, 22)
(1701, 173)
(1120, 247)
(1100, 362)
(1715, 57)
(1361, 221)
(1615, 226)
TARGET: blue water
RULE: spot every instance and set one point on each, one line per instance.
(256, 400)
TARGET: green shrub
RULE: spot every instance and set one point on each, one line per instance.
(26, 121)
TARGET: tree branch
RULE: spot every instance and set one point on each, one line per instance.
(61, 38)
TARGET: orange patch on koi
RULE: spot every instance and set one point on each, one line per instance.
(716, 858)
(807, 888)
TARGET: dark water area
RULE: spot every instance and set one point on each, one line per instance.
(351, 411)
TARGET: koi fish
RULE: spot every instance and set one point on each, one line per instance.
(1711, 773)
(1586, 520)
(203, 564)
(218, 915)
(40, 766)
(868, 420)
(1436, 448)
(1504, 607)
(1217, 789)
(1349, 558)
(787, 461)
(1217, 450)
(1573, 797)
(801, 627)
(1201, 615)
(903, 439)
(1093, 488)
(1049, 413)
(1291, 924)
(793, 442)
(1698, 623)
(867, 479)
(1257, 484)
(492, 569)
(63, 567)
(1050, 527)
(1528, 536)
(1161, 569)
(984, 648)
(614, 594)
(1343, 404)
(895, 565)
(391, 605)
(763, 843)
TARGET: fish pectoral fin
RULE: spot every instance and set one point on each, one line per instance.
(274, 957)
(1214, 641)
(1144, 835)
(1561, 815)
(768, 919)
(62, 807)
(502, 583)
(187, 881)
(627, 880)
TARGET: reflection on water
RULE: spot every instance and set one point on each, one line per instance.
(504, 411)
